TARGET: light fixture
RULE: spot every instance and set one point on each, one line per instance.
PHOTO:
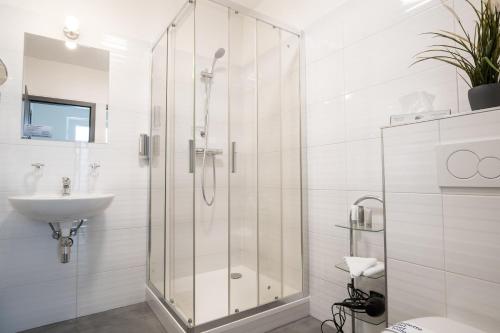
(71, 31)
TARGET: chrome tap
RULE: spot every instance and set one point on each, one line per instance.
(66, 186)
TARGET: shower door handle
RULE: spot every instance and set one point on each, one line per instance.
(233, 157)
(191, 156)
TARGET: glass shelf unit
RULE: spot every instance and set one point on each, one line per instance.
(372, 228)
(343, 267)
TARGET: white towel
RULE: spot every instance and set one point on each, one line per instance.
(379, 267)
(359, 264)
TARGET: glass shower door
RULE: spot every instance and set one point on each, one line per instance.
(243, 163)
(211, 133)
(269, 163)
(291, 191)
(158, 157)
(180, 166)
(265, 172)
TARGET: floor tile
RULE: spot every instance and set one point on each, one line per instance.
(305, 325)
(129, 319)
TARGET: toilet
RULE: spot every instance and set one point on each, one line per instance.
(431, 325)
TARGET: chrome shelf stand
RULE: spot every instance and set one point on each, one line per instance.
(353, 227)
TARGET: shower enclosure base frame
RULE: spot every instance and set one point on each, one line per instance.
(259, 320)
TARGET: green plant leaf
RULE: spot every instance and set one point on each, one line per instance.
(488, 61)
(477, 55)
(465, 80)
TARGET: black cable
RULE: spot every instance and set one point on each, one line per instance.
(338, 319)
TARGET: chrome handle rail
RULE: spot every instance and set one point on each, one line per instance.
(191, 156)
(233, 157)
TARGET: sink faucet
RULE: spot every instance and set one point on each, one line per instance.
(66, 186)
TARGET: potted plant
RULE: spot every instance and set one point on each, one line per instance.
(477, 55)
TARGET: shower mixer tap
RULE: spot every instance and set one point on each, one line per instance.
(207, 75)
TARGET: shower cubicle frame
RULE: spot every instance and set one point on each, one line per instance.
(304, 294)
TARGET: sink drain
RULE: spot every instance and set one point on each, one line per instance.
(236, 276)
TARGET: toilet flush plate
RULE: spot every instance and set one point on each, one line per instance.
(469, 164)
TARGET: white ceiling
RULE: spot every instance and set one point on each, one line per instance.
(145, 19)
(137, 19)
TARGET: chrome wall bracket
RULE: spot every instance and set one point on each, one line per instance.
(56, 233)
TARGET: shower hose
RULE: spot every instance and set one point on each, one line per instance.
(208, 201)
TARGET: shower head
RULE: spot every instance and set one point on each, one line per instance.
(218, 54)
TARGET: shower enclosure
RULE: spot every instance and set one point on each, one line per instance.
(226, 231)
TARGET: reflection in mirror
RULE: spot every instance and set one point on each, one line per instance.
(65, 93)
(3, 73)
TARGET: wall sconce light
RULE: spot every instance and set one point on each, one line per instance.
(71, 31)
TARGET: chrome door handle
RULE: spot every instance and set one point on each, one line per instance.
(233, 157)
(191, 156)
(144, 146)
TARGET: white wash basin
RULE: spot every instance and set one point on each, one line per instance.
(58, 208)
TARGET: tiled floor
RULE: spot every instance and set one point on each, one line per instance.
(306, 325)
(139, 318)
(136, 318)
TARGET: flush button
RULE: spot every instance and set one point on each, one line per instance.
(489, 167)
(463, 164)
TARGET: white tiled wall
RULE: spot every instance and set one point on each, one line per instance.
(416, 231)
(107, 267)
(414, 291)
(442, 243)
(358, 74)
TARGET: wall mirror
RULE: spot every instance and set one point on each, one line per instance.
(66, 89)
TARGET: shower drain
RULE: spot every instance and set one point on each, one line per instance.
(236, 276)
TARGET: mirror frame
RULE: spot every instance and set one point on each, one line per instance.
(42, 99)
(93, 116)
